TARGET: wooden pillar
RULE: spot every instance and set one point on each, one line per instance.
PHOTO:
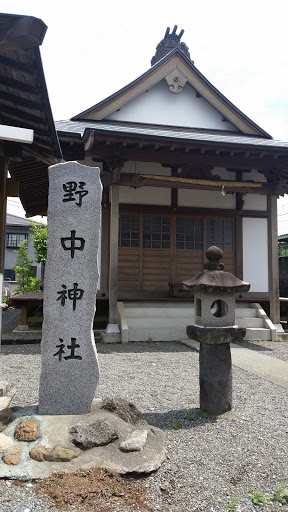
(104, 284)
(113, 266)
(3, 204)
(273, 259)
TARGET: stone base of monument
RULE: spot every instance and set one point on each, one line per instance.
(114, 436)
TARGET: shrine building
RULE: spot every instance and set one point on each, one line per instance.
(182, 169)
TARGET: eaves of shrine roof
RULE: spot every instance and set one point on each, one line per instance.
(24, 103)
(24, 100)
(81, 129)
(174, 60)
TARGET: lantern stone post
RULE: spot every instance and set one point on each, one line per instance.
(214, 305)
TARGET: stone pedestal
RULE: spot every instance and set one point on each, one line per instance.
(215, 378)
(69, 371)
(215, 366)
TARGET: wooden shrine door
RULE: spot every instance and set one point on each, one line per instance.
(157, 249)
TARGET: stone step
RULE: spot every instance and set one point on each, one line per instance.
(249, 322)
(245, 312)
(159, 312)
(254, 333)
(165, 334)
(183, 312)
(176, 322)
(167, 321)
(156, 334)
(156, 323)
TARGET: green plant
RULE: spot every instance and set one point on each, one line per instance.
(258, 498)
(149, 340)
(279, 339)
(23, 269)
(280, 493)
(176, 425)
(190, 415)
(281, 250)
(113, 491)
(232, 503)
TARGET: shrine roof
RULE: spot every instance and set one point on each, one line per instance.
(134, 129)
(174, 59)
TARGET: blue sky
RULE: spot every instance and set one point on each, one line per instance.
(94, 48)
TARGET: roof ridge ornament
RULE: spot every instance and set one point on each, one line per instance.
(169, 43)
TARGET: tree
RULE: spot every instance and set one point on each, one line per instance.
(281, 250)
(24, 272)
(39, 240)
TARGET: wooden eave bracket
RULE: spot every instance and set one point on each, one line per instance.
(88, 144)
(12, 187)
(23, 32)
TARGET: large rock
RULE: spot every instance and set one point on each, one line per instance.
(27, 430)
(38, 453)
(5, 417)
(12, 456)
(135, 442)
(54, 451)
(98, 433)
(125, 410)
(5, 442)
(58, 454)
(69, 365)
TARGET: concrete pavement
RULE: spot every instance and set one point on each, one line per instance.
(266, 367)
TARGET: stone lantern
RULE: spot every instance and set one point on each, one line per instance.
(214, 305)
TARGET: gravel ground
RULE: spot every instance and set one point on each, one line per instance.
(208, 463)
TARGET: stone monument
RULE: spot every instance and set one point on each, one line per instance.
(69, 371)
(214, 305)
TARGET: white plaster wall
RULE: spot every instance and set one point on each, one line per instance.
(254, 175)
(255, 254)
(224, 174)
(88, 161)
(159, 105)
(255, 202)
(145, 195)
(206, 199)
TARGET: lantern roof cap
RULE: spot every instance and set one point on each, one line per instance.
(213, 278)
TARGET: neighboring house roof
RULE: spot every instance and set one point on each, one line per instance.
(14, 221)
(24, 103)
(283, 238)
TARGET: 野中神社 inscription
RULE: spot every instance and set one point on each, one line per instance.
(68, 352)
